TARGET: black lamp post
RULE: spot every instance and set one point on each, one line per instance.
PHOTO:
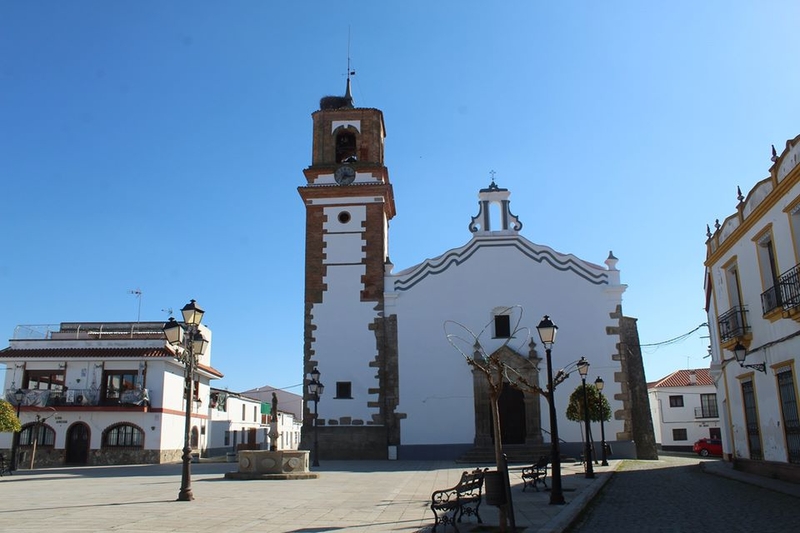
(18, 396)
(315, 388)
(583, 369)
(547, 333)
(599, 384)
(190, 345)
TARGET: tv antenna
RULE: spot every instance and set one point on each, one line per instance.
(138, 294)
(168, 310)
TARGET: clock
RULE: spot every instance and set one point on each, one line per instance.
(344, 175)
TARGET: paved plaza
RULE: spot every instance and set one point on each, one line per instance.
(356, 496)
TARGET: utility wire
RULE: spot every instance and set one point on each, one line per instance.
(677, 339)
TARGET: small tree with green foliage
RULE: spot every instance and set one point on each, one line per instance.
(8, 418)
(599, 409)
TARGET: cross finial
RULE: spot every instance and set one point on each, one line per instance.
(492, 173)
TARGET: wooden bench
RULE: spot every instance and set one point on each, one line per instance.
(537, 473)
(464, 498)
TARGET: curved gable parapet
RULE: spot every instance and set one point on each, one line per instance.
(408, 278)
(728, 227)
(756, 196)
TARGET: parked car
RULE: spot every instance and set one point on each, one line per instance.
(706, 447)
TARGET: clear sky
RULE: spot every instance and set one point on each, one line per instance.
(158, 146)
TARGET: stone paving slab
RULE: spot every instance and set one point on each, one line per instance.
(347, 496)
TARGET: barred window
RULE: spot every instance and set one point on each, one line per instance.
(123, 435)
(43, 434)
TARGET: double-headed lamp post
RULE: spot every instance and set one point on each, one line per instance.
(315, 388)
(547, 334)
(190, 345)
(583, 369)
(599, 384)
(19, 395)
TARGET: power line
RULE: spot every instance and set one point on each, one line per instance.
(677, 339)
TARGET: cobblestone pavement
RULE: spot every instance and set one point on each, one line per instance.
(674, 495)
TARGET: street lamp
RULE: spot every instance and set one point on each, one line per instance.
(740, 352)
(315, 388)
(190, 345)
(599, 384)
(18, 396)
(583, 369)
(547, 334)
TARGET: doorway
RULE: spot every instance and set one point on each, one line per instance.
(77, 452)
(511, 405)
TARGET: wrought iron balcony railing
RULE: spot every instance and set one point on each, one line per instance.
(789, 283)
(733, 323)
(77, 398)
(771, 299)
(699, 412)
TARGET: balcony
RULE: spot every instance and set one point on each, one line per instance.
(789, 284)
(700, 412)
(77, 398)
(771, 300)
(733, 324)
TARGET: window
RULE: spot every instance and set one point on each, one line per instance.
(227, 438)
(123, 435)
(770, 298)
(732, 323)
(44, 380)
(708, 406)
(732, 280)
(502, 326)
(42, 433)
(751, 421)
(255, 413)
(791, 418)
(244, 412)
(679, 434)
(794, 221)
(344, 390)
(676, 401)
(195, 390)
(118, 381)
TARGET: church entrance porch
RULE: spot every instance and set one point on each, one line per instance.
(520, 414)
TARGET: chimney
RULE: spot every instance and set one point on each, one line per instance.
(692, 377)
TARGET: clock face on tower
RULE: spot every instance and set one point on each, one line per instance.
(345, 175)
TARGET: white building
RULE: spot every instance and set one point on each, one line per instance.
(684, 409)
(395, 387)
(753, 302)
(240, 421)
(103, 393)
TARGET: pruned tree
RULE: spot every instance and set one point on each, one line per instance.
(496, 372)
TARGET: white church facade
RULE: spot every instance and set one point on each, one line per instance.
(395, 386)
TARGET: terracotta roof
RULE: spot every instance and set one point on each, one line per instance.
(83, 353)
(681, 378)
(95, 353)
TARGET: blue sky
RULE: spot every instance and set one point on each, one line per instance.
(158, 146)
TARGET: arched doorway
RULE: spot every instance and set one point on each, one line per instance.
(77, 446)
(520, 413)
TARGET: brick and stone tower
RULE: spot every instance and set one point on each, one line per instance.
(349, 202)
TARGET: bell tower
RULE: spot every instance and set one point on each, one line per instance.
(349, 202)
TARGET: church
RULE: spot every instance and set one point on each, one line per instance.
(380, 336)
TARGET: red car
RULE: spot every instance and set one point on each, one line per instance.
(706, 447)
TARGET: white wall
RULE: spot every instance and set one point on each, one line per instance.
(436, 382)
